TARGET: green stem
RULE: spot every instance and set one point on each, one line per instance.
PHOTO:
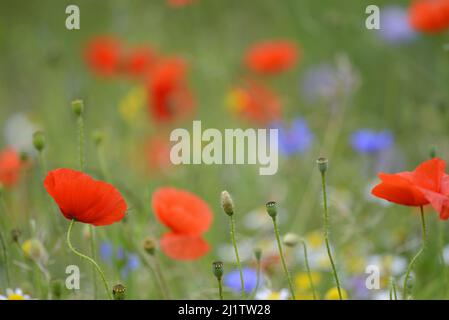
(92, 261)
(326, 233)
(5, 259)
(161, 277)
(220, 289)
(281, 253)
(93, 252)
(257, 279)
(239, 265)
(81, 142)
(415, 258)
(393, 291)
(309, 274)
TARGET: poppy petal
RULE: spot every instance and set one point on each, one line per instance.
(183, 247)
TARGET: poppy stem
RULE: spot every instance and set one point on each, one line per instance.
(393, 293)
(5, 258)
(309, 274)
(220, 288)
(415, 258)
(81, 141)
(239, 265)
(281, 253)
(161, 277)
(326, 233)
(256, 288)
(92, 261)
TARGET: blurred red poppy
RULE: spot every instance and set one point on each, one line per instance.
(429, 15)
(255, 102)
(10, 166)
(183, 247)
(103, 55)
(181, 211)
(428, 183)
(84, 199)
(138, 62)
(157, 151)
(179, 3)
(169, 96)
(271, 56)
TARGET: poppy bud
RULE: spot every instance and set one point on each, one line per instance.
(322, 164)
(56, 289)
(78, 107)
(433, 152)
(149, 245)
(217, 268)
(271, 209)
(98, 137)
(291, 239)
(227, 203)
(119, 292)
(15, 235)
(39, 141)
(258, 254)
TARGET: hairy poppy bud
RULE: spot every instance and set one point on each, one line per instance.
(227, 203)
(149, 245)
(15, 235)
(39, 140)
(322, 164)
(271, 209)
(119, 292)
(217, 268)
(291, 239)
(98, 137)
(258, 254)
(78, 107)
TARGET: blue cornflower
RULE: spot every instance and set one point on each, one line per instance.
(295, 139)
(232, 280)
(124, 260)
(395, 27)
(367, 141)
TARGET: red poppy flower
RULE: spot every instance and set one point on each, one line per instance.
(139, 62)
(169, 96)
(428, 183)
(429, 15)
(103, 55)
(271, 56)
(84, 199)
(183, 247)
(10, 166)
(179, 3)
(255, 102)
(181, 211)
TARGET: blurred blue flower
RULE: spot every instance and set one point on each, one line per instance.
(124, 260)
(367, 141)
(394, 25)
(295, 139)
(232, 280)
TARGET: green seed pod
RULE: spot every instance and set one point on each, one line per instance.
(98, 137)
(78, 107)
(322, 164)
(258, 254)
(217, 269)
(39, 141)
(149, 245)
(119, 292)
(227, 203)
(15, 235)
(272, 209)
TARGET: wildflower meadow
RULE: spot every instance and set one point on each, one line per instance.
(224, 150)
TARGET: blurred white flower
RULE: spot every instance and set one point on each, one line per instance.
(267, 294)
(16, 294)
(18, 132)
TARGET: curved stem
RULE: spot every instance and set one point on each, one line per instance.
(326, 234)
(92, 261)
(161, 277)
(309, 274)
(256, 288)
(281, 253)
(239, 266)
(415, 258)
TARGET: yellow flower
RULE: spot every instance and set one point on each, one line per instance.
(236, 100)
(332, 294)
(302, 280)
(356, 264)
(315, 239)
(34, 249)
(14, 295)
(304, 296)
(132, 103)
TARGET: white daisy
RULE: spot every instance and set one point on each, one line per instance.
(16, 294)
